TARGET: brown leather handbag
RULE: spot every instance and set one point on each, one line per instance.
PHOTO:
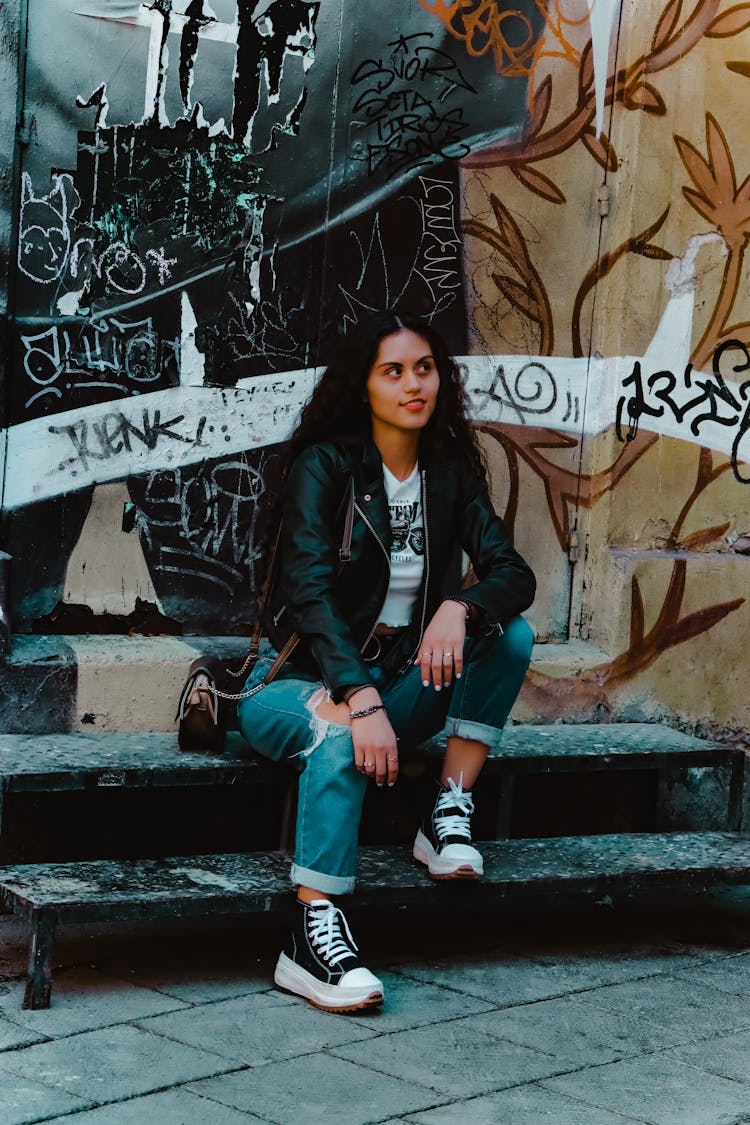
(205, 703)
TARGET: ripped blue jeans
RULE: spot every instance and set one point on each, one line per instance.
(281, 723)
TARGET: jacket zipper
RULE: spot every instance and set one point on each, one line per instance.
(410, 661)
(387, 562)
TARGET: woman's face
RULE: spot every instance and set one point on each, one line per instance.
(403, 384)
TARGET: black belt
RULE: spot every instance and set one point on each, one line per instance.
(378, 647)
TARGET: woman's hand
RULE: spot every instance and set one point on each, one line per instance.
(441, 655)
(375, 743)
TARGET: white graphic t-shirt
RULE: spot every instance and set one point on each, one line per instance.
(407, 546)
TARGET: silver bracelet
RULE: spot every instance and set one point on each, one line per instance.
(367, 711)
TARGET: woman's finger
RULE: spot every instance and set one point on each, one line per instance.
(447, 665)
(359, 759)
(381, 767)
(425, 661)
(392, 764)
(437, 669)
(458, 660)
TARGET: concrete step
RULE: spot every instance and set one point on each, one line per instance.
(43, 763)
(48, 895)
(120, 683)
(79, 796)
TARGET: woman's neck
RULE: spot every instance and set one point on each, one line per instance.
(399, 452)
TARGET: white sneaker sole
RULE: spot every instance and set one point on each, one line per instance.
(330, 997)
(465, 863)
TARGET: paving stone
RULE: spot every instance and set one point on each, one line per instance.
(13, 1034)
(168, 1107)
(84, 999)
(317, 1090)
(575, 1028)
(258, 1029)
(412, 1003)
(457, 1058)
(660, 1090)
(505, 981)
(23, 1100)
(112, 1063)
(196, 977)
(524, 1105)
(609, 967)
(728, 974)
(728, 1056)
(677, 1002)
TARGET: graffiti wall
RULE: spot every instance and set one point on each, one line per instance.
(612, 236)
(203, 194)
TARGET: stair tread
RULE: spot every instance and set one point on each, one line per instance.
(70, 761)
(259, 881)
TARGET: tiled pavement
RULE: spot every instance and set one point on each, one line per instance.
(547, 1020)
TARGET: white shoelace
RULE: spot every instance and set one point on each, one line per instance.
(457, 824)
(324, 925)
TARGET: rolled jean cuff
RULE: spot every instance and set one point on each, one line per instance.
(329, 884)
(479, 732)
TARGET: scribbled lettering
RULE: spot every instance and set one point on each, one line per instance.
(116, 432)
(694, 400)
(204, 519)
(110, 353)
(404, 104)
(440, 246)
(487, 26)
(534, 391)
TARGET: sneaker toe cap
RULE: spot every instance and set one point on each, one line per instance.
(361, 978)
(463, 853)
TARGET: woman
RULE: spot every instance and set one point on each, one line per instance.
(392, 649)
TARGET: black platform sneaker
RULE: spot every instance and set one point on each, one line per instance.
(321, 962)
(443, 842)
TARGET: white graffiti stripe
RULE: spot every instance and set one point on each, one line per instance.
(180, 426)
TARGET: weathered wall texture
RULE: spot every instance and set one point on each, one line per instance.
(204, 192)
(651, 300)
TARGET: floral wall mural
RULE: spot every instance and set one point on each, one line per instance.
(614, 231)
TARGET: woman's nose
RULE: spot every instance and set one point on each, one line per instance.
(411, 380)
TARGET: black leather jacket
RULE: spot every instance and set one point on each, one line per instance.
(335, 613)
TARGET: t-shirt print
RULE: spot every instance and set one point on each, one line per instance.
(407, 532)
(407, 546)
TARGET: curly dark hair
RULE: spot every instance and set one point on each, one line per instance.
(338, 409)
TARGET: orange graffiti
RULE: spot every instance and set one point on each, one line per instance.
(483, 26)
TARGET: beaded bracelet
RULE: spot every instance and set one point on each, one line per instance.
(460, 601)
(367, 711)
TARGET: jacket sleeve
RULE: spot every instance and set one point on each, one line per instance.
(505, 583)
(309, 567)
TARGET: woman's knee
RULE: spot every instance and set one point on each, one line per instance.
(518, 640)
(510, 648)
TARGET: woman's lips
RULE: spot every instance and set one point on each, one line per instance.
(415, 405)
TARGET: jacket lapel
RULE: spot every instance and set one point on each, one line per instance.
(371, 498)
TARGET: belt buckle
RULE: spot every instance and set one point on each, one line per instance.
(371, 659)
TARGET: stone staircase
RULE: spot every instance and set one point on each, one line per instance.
(132, 788)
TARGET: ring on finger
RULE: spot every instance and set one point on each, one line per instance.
(369, 765)
(426, 655)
